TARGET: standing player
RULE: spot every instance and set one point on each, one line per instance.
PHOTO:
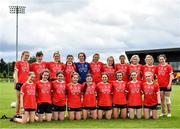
(69, 68)
(39, 66)
(104, 90)
(96, 68)
(135, 66)
(74, 90)
(134, 89)
(44, 96)
(149, 67)
(55, 66)
(82, 67)
(89, 98)
(109, 69)
(123, 67)
(151, 96)
(165, 77)
(28, 100)
(119, 96)
(21, 72)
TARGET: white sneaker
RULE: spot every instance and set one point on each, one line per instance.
(162, 114)
(169, 115)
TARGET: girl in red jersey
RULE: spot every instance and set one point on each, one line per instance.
(44, 96)
(109, 69)
(74, 90)
(134, 89)
(28, 100)
(21, 72)
(149, 67)
(96, 68)
(151, 96)
(55, 66)
(59, 97)
(165, 77)
(123, 67)
(69, 68)
(39, 66)
(89, 98)
(104, 90)
(135, 66)
(119, 96)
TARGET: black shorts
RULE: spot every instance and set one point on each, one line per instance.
(74, 109)
(104, 108)
(165, 89)
(119, 106)
(135, 107)
(44, 108)
(56, 108)
(18, 86)
(154, 107)
(89, 108)
(29, 110)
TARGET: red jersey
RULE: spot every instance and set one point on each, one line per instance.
(95, 69)
(89, 98)
(124, 69)
(119, 92)
(44, 92)
(29, 96)
(68, 69)
(55, 67)
(137, 69)
(110, 72)
(59, 93)
(104, 94)
(74, 95)
(147, 68)
(150, 94)
(23, 70)
(134, 93)
(38, 68)
(163, 74)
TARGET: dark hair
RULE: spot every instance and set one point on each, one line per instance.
(122, 56)
(85, 84)
(83, 55)
(118, 72)
(162, 55)
(60, 72)
(39, 53)
(69, 56)
(45, 71)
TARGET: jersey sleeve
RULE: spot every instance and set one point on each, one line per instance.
(17, 65)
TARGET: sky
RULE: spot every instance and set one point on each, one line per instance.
(108, 27)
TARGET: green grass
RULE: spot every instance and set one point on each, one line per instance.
(7, 95)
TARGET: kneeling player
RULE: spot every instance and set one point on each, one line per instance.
(151, 96)
(119, 96)
(44, 97)
(89, 98)
(28, 100)
(59, 97)
(104, 90)
(134, 89)
(74, 90)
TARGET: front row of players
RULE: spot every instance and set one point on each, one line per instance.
(47, 100)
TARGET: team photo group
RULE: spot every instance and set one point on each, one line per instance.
(53, 90)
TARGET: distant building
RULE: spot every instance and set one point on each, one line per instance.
(172, 54)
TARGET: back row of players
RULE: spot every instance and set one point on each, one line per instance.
(125, 83)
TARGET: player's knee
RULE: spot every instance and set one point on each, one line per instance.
(168, 100)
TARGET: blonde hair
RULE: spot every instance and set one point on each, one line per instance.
(135, 56)
(149, 56)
